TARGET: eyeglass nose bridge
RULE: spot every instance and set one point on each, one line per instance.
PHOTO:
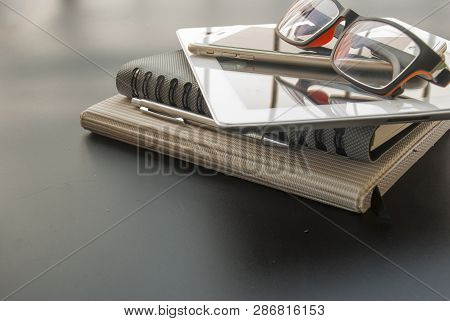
(349, 16)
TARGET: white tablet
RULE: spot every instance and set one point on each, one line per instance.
(242, 94)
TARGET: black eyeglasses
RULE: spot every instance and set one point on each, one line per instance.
(397, 53)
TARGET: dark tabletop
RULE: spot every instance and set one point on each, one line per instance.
(77, 221)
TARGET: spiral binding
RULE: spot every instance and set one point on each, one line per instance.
(158, 86)
(339, 141)
(186, 91)
(297, 138)
(318, 139)
(136, 73)
(173, 86)
(145, 84)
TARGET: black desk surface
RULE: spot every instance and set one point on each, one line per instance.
(77, 222)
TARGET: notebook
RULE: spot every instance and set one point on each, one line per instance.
(332, 179)
(167, 78)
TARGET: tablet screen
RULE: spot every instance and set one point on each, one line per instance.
(263, 86)
(243, 93)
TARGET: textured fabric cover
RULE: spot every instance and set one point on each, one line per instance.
(331, 179)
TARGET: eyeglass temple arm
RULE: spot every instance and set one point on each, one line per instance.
(443, 79)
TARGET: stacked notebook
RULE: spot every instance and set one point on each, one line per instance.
(350, 168)
(168, 79)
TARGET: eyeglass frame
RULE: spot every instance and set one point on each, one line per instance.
(427, 63)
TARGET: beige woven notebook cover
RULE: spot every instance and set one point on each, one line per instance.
(335, 180)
